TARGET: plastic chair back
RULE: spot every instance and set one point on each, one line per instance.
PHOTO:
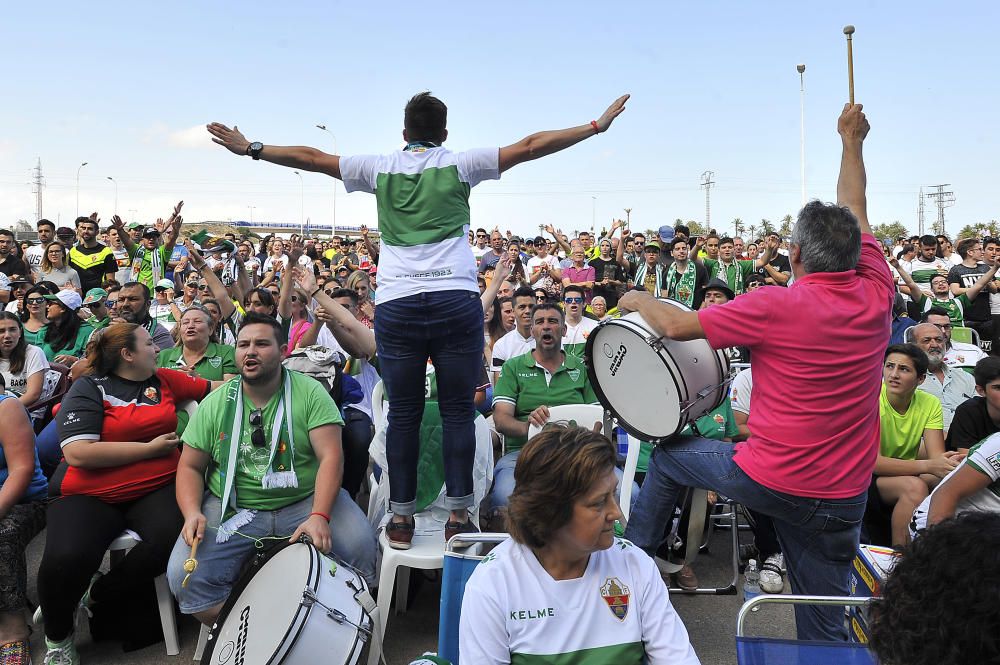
(458, 567)
(583, 415)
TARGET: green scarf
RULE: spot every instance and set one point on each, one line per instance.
(281, 462)
(155, 260)
(680, 286)
(732, 275)
(640, 278)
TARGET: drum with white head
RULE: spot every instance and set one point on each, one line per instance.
(653, 385)
(300, 607)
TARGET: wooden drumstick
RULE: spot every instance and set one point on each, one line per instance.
(849, 30)
(191, 563)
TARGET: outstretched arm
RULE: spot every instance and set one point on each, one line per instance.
(545, 143)
(296, 157)
(982, 282)
(853, 128)
(215, 285)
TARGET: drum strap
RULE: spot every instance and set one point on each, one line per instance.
(696, 527)
(365, 600)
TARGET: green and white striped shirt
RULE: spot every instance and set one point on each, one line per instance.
(422, 195)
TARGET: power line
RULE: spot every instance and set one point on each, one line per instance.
(944, 200)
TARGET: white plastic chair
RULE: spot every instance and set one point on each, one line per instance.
(164, 601)
(584, 415)
(427, 547)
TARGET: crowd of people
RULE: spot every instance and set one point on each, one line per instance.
(886, 427)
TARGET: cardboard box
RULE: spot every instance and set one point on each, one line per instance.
(859, 626)
(871, 566)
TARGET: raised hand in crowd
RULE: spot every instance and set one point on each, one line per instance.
(853, 128)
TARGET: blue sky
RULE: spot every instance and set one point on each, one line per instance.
(127, 87)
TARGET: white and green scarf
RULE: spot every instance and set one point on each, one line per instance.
(732, 275)
(281, 461)
(640, 277)
(156, 261)
(680, 286)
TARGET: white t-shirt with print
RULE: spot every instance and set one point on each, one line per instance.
(34, 362)
(984, 457)
(618, 612)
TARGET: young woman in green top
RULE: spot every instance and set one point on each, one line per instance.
(66, 335)
(33, 314)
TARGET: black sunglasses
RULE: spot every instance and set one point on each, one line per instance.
(257, 423)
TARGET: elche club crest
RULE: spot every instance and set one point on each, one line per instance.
(616, 595)
(151, 394)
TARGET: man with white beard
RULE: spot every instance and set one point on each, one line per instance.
(950, 386)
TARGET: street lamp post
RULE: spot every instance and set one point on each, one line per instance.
(334, 227)
(116, 193)
(78, 188)
(802, 129)
(302, 204)
(251, 214)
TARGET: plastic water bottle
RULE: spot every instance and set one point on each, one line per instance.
(751, 585)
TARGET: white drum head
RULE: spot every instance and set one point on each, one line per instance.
(634, 381)
(267, 609)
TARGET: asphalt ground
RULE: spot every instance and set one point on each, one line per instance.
(710, 619)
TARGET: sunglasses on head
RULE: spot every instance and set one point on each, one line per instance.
(257, 423)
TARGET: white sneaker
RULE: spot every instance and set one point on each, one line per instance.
(771, 580)
(61, 653)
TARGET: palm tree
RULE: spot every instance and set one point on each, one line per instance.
(753, 231)
(766, 227)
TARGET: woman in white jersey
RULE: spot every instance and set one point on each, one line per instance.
(564, 588)
(428, 299)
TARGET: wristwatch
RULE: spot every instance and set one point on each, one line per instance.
(254, 149)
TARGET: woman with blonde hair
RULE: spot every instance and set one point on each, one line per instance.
(359, 281)
(54, 268)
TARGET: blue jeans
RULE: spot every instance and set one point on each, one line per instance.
(819, 537)
(219, 564)
(447, 327)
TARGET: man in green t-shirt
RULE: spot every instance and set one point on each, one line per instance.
(528, 385)
(728, 268)
(941, 294)
(268, 443)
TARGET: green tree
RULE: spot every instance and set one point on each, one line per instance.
(696, 228)
(892, 230)
(739, 228)
(766, 227)
(979, 229)
(786, 226)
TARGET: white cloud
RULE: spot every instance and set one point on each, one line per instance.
(192, 137)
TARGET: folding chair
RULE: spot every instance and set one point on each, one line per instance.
(458, 567)
(777, 651)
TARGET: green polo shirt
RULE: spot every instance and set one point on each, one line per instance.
(528, 386)
(219, 359)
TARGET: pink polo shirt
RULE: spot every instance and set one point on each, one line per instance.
(817, 350)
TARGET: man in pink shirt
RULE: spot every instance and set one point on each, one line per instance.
(809, 459)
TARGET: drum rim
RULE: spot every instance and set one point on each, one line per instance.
(633, 328)
(312, 581)
(302, 612)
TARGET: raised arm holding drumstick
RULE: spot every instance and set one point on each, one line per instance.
(808, 462)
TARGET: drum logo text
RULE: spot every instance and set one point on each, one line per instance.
(616, 362)
(241, 636)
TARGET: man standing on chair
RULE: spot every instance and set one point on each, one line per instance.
(807, 462)
(428, 296)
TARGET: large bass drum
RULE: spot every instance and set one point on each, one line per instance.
(654, 386)
(299, 608)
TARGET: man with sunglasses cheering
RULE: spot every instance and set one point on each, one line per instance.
(269, 444)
